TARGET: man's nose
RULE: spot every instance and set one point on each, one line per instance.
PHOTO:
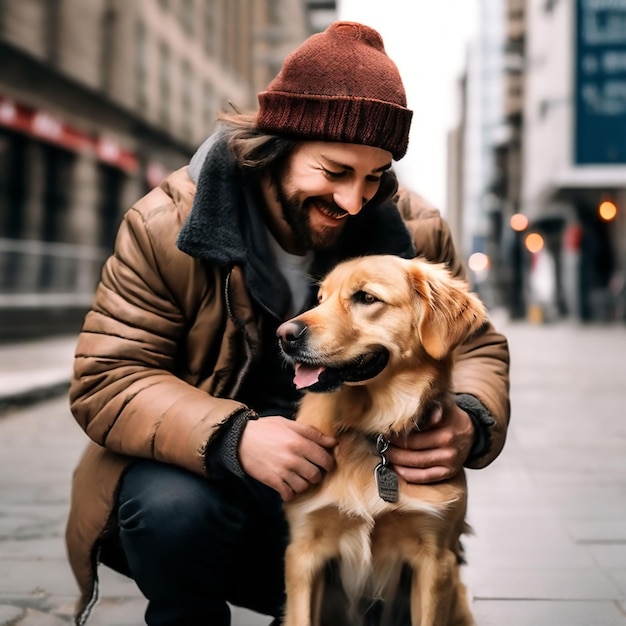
(350, 198)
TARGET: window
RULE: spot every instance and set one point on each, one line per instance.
(108, 39)
(273, 12)
(187, 17)
(187, 99)
(164, 82)
(208, 107)
(141, 66)
(210, 30)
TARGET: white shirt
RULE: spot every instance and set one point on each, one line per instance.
(295, 269)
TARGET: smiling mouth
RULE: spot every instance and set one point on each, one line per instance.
(318, 377)
(333, 214)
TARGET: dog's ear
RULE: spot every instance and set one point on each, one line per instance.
(449, 312)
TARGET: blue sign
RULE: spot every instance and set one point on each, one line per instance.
(600, 85)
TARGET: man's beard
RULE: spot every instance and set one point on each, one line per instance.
(296, 215)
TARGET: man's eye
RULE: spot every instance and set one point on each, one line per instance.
(331, 174)
(363, 297)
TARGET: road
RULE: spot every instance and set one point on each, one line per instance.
(549, 515)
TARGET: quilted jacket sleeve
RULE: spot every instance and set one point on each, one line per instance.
(125, 391)
(481, 373)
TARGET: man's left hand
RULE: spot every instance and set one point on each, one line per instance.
(437, 450)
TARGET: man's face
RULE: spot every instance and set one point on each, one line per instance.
(322, 184)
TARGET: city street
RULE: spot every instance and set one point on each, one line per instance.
(549, 516)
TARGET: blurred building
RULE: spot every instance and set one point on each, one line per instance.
(99, 100)
(472, 206)
(556, 195)
(508, 271)
(575, 151)
(455, 170)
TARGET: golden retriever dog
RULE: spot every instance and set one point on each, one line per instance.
(374, 357)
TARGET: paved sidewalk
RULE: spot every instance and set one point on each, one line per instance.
(39, 446)
(549, 515)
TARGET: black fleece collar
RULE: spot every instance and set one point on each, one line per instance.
(225, 227)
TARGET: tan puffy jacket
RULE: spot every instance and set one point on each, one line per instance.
(165, 344)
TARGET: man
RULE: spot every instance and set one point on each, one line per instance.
(178, 378)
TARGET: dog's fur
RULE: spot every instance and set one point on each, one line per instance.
(377, 355)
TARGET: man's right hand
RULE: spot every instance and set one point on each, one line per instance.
(285, 455)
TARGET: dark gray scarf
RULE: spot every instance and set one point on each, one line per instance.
(226, 227)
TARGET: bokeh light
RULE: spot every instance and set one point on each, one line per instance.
(534, 242)
(607, 210)
(478, 262)
(518, 222)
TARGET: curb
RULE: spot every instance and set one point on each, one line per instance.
(26, 397)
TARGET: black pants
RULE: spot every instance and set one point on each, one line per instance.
(192, 545)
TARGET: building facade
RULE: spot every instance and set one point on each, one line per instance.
(99, 101)
(575, 151)
(555, 198)
(471, 202)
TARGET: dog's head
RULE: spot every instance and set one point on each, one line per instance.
(376, 313)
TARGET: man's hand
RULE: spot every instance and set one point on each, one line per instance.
(437, 451)
(285, 455)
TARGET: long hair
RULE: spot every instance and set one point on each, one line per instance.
(254, 149)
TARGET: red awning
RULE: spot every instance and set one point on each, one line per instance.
(51, 129)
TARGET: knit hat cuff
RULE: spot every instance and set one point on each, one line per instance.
(347, 119)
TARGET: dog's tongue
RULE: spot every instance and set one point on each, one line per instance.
(306, 375)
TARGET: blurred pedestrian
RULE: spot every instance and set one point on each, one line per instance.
(178, 380)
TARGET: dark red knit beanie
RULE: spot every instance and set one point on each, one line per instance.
(339, 85)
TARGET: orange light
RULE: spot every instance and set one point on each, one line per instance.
(534, 242)
(607, 210)
(478, 262)
(518, 222)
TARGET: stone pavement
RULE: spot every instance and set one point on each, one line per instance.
(549, 515)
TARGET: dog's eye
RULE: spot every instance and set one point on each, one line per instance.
(363, 297)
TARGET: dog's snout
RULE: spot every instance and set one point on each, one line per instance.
(290, 333)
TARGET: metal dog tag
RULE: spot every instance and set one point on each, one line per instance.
(386, 483)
